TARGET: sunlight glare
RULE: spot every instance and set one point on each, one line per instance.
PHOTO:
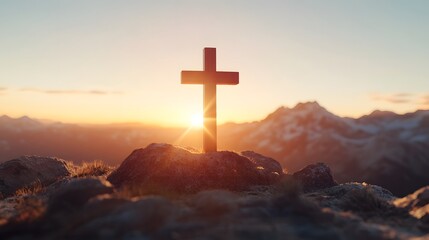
(197, 120)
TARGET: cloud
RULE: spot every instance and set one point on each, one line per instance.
(3, 90)
(396, 98)
(57, 91)
(425, 100)
(420, 100)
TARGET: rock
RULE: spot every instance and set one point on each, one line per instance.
(143, 216)
(76, 192)
(170, 167)
(416, 203)
(214, 204)
(8, 209)
(220, 214)
(21, 208)
(354, 196)
(28, 170)
(266, 164)
(419, 198)
(315, 176)
(379, 192)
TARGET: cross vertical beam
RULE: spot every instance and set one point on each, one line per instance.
(209, 78)
(210, 125)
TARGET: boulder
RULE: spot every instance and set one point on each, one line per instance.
(360, 193)
(419, 198)
(169, 167)
(315, 176)
(28, 170)
(416, 203)
(342, 189)
(141, 217)
(74, 193)
(266, 164)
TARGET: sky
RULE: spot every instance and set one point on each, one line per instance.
(103, 61)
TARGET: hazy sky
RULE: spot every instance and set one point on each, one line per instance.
(120, 61)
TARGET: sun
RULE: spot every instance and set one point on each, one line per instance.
(197, 120)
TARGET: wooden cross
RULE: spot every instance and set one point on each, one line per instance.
(209, 78)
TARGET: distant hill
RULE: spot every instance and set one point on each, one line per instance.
(382, 148)
(79, 143)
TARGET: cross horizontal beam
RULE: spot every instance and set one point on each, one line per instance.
(202, 77)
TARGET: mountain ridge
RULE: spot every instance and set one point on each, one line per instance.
(384, 148)
(299, 105)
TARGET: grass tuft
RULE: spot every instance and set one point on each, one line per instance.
(95, 168)
(32, 189)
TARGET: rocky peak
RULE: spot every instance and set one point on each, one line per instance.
(301, 110)
(91, 208)
(5, 118)
(171, 167)
(314, 105)
(278, 113)
(377, 115)
(18, 124)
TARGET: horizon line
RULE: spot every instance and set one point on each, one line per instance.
(153, 124)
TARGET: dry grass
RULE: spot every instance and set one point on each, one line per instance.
(364, 200)
(95, 168)
(33, 189)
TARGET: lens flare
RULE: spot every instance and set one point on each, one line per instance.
(197, 120)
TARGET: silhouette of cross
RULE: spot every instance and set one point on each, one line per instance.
(209, 78)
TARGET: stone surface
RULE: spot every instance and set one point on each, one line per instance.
(147, 215)
(348, 195)
(216, 214)
(28, 170)
(266, 164)
(169, 167)
(315, 176)
(89, 207)
(378, 191)
(416, 203)
(76, 192)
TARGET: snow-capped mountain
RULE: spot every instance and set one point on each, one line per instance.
(382, 148)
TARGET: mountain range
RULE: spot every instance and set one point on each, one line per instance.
(383, 148)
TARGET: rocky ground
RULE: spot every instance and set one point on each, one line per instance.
(168, 192)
